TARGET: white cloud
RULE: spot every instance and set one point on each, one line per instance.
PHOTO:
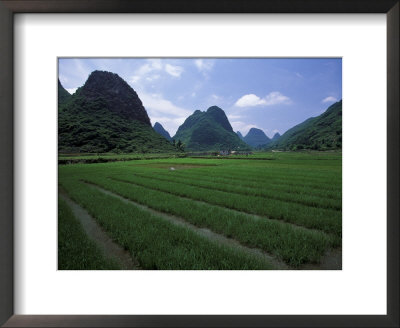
(73, 72)
(151, 67)
(175, 71)
(234, 117)
(81, 69)
(204, 65)
(193, 94)
(63, 79)
(71, 90)
(242, 127)
(156, 104)
(329, 99)
(143, 70)
(153, 77)
(168, 123)
(249, 101)
(273, 98)
(134, 79)
(164, 111)
(155, 63)
(299, 75)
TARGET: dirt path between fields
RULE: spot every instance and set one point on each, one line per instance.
(201, 231)
(100, 237)
(331, 261)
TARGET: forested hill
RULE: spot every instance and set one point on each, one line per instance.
(256, 137)
(209, 130)
(323, 132)
(106, 115)
(161, 131)
(63, 95)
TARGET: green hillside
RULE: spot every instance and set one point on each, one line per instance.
(209, 130)
(106, 115)
(161, 131)
(63, 95)
(256, 137)
(276, 136)
(323, 132)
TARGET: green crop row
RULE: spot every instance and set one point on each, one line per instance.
(261, 176)
(75, 250)
(156, 243)
(228, 185)
(264, 178)
(288, 243)
(281, 170)
(333, 196)
(333, 184)
(315, 218)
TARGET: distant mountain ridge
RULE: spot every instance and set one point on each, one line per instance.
(209, 130)
(106, 115)
(319, 133)
(256, 137)
(240, 135)
(161, 131)
(276, 136)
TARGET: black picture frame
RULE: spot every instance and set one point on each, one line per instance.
(10, 7)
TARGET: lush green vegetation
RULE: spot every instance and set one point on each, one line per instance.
(88, 126)
(63, 95)
(75, 250)
(261, 210)
(319, 133)
(285, 204)
(209, 130)
(106, 115)
(256, 137)
(288, 243)
(310, 217)
(154, 242)
(74, 158)
(161, 131)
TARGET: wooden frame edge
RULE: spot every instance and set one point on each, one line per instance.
(9, 7)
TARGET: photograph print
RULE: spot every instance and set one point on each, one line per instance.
(199, 163)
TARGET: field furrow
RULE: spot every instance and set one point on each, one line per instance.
(111, 250)
(333, 185)
(201, 231)
(76, 251)
(266, 176)
(293, 245)
(156, 243)
(229, 186)
(234, 181)
(190, 213)
(324, 188)
(315, 218)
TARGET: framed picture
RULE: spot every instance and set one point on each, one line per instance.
(257, 68)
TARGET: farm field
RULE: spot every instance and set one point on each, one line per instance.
(111, 157)
(274, 210)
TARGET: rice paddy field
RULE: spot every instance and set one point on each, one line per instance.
(266, 211)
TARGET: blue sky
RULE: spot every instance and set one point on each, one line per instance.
(267, 93)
